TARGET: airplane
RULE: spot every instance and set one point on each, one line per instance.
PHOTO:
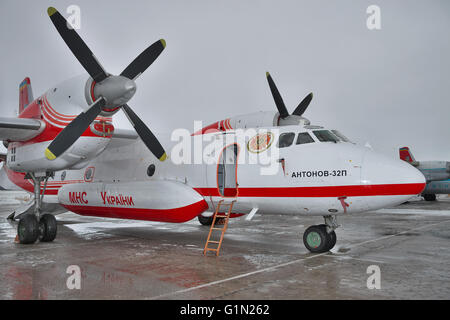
(437, 174)
(64, 148)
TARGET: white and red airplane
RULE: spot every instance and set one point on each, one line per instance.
(63, 145)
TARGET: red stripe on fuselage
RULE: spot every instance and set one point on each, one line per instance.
(176, 215)
(325, 191)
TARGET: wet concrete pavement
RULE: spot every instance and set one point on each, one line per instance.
(260, 259)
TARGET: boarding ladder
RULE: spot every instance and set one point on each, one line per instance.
(226, 215)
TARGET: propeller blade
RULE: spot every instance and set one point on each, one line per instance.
(277, 97)
(303, 105)
(144, 60)
(77, 46)
(145, 134)
(74, 130)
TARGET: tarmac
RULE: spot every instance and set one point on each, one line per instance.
(260, 259)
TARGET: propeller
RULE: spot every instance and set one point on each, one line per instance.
(284, 114)
(110, 91)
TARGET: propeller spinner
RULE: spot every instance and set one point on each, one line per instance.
(110, 90)
(284, 114)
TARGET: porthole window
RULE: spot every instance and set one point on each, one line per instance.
(89, 174)
(63, 176)
(151, 170)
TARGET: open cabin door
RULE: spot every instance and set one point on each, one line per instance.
(222, 171)
(227, 172)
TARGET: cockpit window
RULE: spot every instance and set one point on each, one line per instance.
(325, 136)
(340, 136)
(286, 139)
(304, 137)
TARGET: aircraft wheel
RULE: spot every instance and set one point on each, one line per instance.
(333, 239)
(47, 228)
(316, 239)
(206, 221)
(28, 229)
(429, 197)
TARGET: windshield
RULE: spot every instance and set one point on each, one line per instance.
(286, 139)
(325, 136)
(304, 137)
(341, 136)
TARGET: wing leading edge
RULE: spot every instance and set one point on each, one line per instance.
(19, 129)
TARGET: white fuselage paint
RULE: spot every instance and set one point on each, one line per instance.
(364, 181)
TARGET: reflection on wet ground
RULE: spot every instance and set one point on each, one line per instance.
(260, 259)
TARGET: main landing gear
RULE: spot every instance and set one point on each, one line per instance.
(321, 238)
(207, 221)
(33, 225)
(429, 197)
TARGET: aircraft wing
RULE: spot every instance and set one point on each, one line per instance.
(125, 134)
(18, 129)
(122, 137)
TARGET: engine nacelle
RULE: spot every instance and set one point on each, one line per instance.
(57, 108)
(255, 120)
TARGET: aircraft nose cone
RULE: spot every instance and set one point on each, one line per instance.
(393, 180)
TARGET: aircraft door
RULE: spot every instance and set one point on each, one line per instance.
(227, 171)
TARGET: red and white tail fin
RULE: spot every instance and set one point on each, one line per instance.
(406, 155)
(25, 94)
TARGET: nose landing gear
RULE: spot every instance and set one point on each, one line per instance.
(33, 226)
(321, 238)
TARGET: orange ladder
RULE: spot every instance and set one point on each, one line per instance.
(223, 229)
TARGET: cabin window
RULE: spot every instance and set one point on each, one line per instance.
(286, 139)
(325, 136)
(151, 170)
(340, 136)
(304, 137)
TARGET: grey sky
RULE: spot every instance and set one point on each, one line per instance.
(389, 87)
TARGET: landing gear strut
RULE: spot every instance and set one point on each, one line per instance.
(321, 238)
(34, 226)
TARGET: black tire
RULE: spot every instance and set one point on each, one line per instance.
(316, 239)
(206, 221)
(28, 229)
(429, 197)
(333, 239)
(47, 228)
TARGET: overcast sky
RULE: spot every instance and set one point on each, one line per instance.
(390, 87)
